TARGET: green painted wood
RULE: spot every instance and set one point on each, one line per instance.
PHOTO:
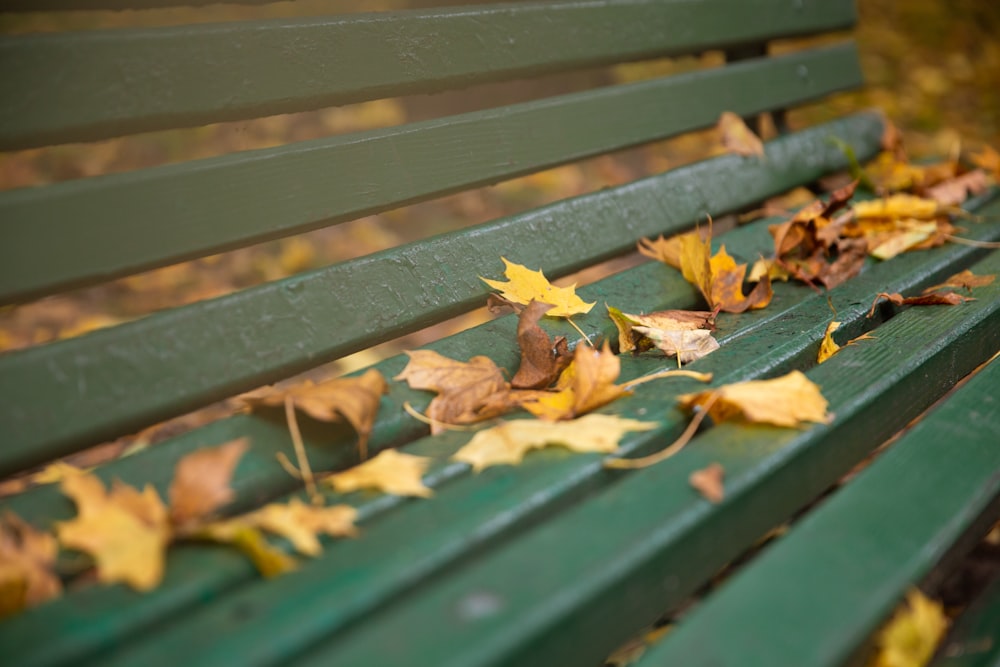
(569, 591)
(335, 593)
(85, 86)
(928, 488)
(972, 641)
(114, 381)
(92, 5)
(121, 224)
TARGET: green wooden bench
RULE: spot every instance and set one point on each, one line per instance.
(554, 562)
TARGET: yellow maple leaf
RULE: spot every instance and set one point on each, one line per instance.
(125, 531)
(201, 481)
(828, 347)
(785, 401)
(663, 250)
(356, 399)
(525, 285)
(911, 637)
(391, 472)
(467, 391)
(587, 384)
(509, 442)
(27, 562)
(898, 207)
(737, 137)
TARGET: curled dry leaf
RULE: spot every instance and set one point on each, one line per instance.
(686, 345)
(525, 285)
(542, 359)
(929, 299)
(201, 481)
(356, 399)
(828, 347)
(956, 190)
(587, 384)
(789, 401)
(683, 333)
(913, 634)
(27, 561)
(708, 482)
(390, 472)
(125, 531)
(509, 442)
(468, 392)
(737, 137)
(719, 278)
(964, 279)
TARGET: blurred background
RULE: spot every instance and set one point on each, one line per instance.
(933, 66)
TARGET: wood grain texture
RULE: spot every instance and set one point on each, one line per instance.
(572, 591)
(872, 541)
(82, 232)
(117, 380)
(86, 86)
(480, 511)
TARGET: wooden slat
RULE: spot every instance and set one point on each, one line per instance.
(333, 596)
(572, 590)
(841, 572)
(81, 232)
(972, 642)
(111, 382)
(96, 5)
(93, 85)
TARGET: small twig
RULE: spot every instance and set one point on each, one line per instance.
(287, 465)
(676, 446)
(972, 242)
(701, 377)
(574, 325)
(300, 452)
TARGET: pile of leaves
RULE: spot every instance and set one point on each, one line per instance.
(127, 532)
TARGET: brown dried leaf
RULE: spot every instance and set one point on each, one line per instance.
(785, 401)
(964, 279)
(391, 471)
(356, 399)
(468, 392)
(708, 482)
(929, 299)
(719, 278)
(509, 442)
(542, 359)
(587, 384)
(956, 190)
(737, 137)
(631, 339)
(201, 481)
(686, 345)
(126, 532)
(27, 562)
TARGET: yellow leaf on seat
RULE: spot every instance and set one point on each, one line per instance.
(785, 401)
(391, 472)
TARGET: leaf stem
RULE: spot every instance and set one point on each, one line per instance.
(662, 455)
(300, 452)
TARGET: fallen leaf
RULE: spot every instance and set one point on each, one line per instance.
(964, 279)
(708, 482)
(201, 481)
(663, 250)
(525, 285)
(929, 299)
(467, 391)
(718, 277)
(956, 190)
(906, 236)
(913, 634)
(27, 562)
(125, 531)
(356, 399)
(55, 472)
(899, 207)
(989, 159)
(737, 137)
(300, 523)
(269, 560)
(828, 347)
(686, 345)
(587, 384)
(542, 359)
(391, 471)
(509, 442)
(785, 401)
(629, 340)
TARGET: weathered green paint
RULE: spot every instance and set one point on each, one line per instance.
(86, 231)
(92, 85)
(489, 506)
(111, 382)
(871, 541)
(972, 642)
(574, 588)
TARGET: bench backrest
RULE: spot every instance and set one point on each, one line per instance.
(91, 85)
